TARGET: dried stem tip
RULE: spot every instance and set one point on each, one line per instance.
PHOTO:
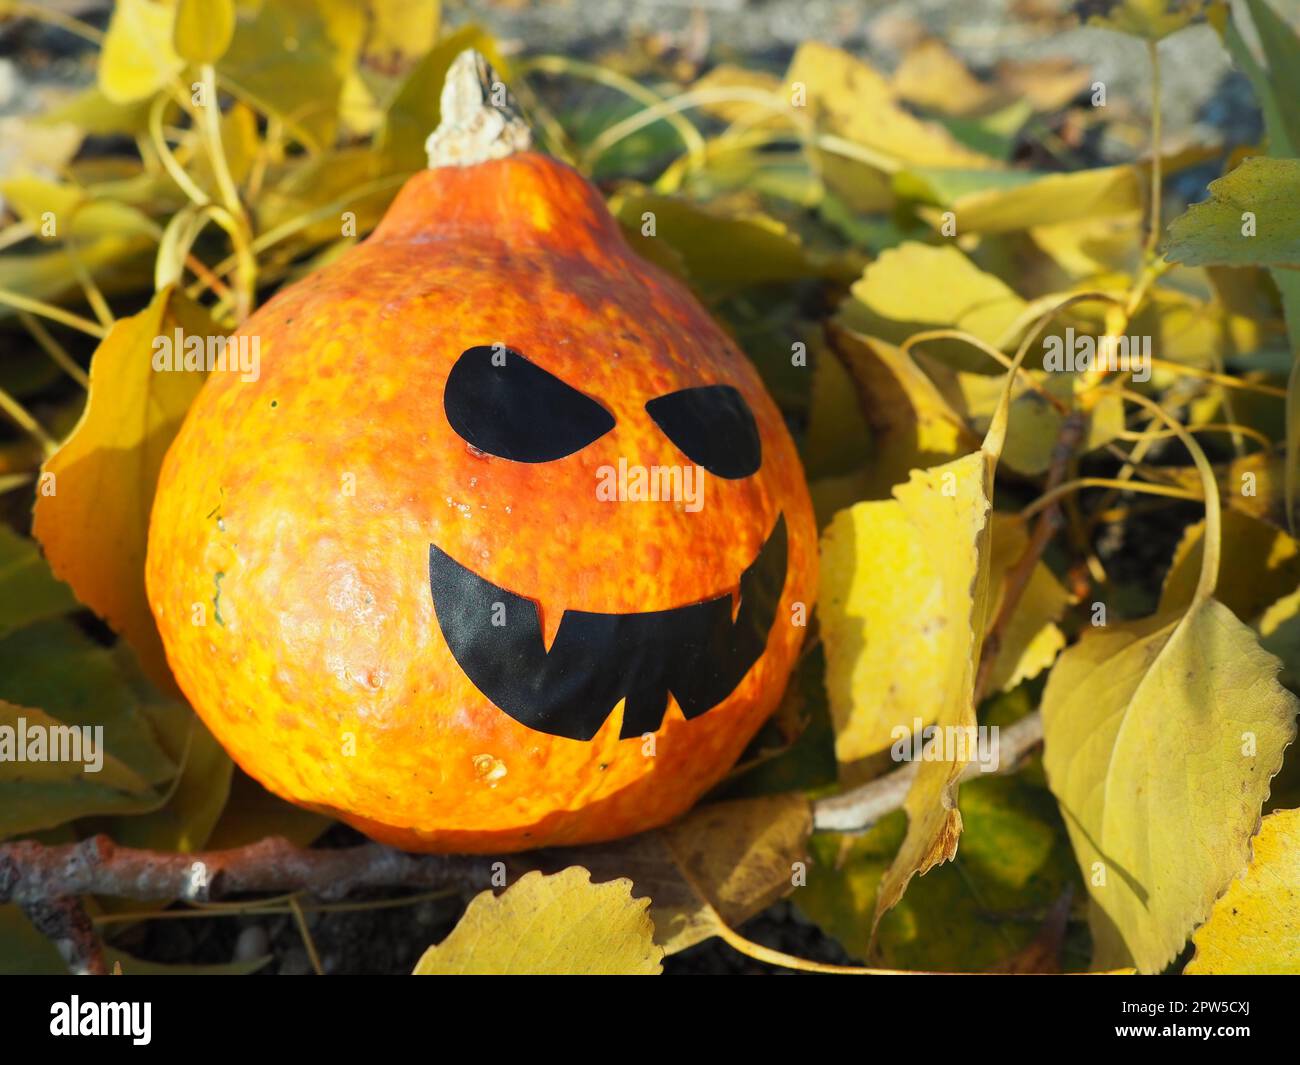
(480, 119)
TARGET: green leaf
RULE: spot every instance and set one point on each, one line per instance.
(55, 667)
(28, 590)
(1252, 218)
(1149, 19)
(291, 60)
(970, 915)
(721, 247)
(1280, 90)
(23, 950)
(197, 798)
(53, 771)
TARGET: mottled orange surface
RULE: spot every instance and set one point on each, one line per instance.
(299, 509)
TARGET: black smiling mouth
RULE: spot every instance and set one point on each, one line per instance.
(696, 653)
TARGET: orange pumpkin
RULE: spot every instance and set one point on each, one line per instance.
(406, 577)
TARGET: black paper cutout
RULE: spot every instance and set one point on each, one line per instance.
(713, 426)
(696, 652)
(514, 409)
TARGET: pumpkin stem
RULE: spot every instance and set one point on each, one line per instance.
(480, 119)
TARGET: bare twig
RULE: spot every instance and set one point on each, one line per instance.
(859, 808)
(66, 924)
(32, 873)
(1017, 579)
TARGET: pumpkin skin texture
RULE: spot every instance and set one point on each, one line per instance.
(301, 508)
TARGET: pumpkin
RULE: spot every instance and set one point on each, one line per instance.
(505, 545)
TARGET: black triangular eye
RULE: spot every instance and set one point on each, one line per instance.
(713, 426)
(499, 402)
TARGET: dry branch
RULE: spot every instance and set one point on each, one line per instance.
(32, 873)
(859, 808)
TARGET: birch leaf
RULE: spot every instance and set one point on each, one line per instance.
(1255, 927)
(720, 864)
(1160, 739)
(550, 925)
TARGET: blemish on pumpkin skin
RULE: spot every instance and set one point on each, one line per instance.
(489, 769)
(216, 597)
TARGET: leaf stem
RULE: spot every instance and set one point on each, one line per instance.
(210, 129)
(56, 351)
(20, 302)
(988, 349)
(20, 416)
(168, 159)
(1047, 498)
(1213, 509)
(653, 102)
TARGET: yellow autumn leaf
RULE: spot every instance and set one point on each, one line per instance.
(1251, 484)
(1149, 19)
(1255, 927)
(932, 77)
(1157, 733)
(1032, 639)
(1260, 564)
(137, 58)
(947, 508)
(912, 424)
(838, 439)
(939, 522)
(884, 628)
(720, 864)
(92, 508)
(855, 101)
(401, 30)
(727, 78)
(1048, 83)
(737, 858)
(1035, 425)
(849, 99)
(203, 29)
(1048, 200)
(889, 302)
(561, 925)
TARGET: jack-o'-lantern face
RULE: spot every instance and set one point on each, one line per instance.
(510, 545)
(502, 404)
